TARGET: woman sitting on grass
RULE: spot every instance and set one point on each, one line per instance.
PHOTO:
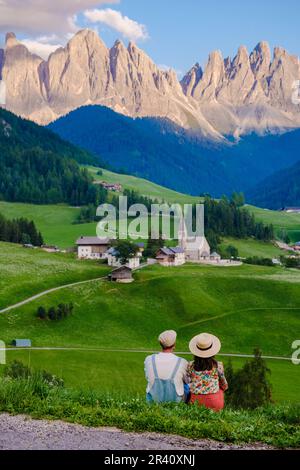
(206, 375)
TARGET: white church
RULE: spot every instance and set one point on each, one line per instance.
(196, 248)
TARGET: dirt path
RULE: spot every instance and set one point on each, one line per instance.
(54, 289)
(48, 291)
(23, 433)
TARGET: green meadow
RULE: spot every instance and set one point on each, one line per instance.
(252, 247)
(56, 222)
(114, 326)
(26, 272)
(247, 306)
(280, 220)
(144, 187)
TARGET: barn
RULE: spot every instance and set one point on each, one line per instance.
(122, 274)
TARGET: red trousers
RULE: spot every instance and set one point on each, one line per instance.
(215, 401)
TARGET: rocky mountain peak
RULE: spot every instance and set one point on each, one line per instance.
(279, 52)
(215, 58)
(191, 79)
(242, 57)
(250, 92)
(86, 39)
(260, 59)
(11, 40)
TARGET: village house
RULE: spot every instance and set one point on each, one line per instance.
(50, 248)
(170, 256)
(123, 274)
(92, 247)
(115, 187)
(291, 210)
(114, 260)
(296, 246)
(141, 249)
(215, 257)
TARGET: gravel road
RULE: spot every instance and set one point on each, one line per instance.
(23, 433)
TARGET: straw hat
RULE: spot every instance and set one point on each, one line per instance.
(205, 345)
(167, 338)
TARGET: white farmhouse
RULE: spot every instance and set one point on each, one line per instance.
(92, 247)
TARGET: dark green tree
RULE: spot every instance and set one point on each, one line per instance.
(249, 387)
(126, 249)
(41, 313)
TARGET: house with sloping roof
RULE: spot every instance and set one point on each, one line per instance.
(170, 256)
(296, 246)
(92, 247)
(215, 256)
(295, 210)
(122, 274)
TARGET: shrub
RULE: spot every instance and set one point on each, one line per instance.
(249, 387)
(55, 313)
(16, 370)
(290, 262)
(42, 313)
(259, 261)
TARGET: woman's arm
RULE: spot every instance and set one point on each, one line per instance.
(188, 372)
(222, 379)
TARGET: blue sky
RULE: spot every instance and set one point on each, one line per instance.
(183, 32)
(175, 33)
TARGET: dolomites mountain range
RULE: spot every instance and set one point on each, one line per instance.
(251, 92)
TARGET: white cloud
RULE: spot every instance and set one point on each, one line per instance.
(43, 17)
(128, 28)
(40, 48)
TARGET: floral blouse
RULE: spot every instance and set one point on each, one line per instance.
(207, 381)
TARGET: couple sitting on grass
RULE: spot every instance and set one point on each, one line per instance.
(172, 379)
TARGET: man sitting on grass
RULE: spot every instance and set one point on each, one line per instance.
(166, 373)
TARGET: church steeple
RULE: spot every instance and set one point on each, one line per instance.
(182, 234)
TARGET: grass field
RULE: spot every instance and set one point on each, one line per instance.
(56, 222)
(246, 306)
(26, 272)
(144, 187)
(252, 247)
(280, 220)
(95, 370)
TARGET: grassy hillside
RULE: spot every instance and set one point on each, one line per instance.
(250, 247)
(280, 220)
(26, 272)
(56, 222)
(144, 187)
(246, 306)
